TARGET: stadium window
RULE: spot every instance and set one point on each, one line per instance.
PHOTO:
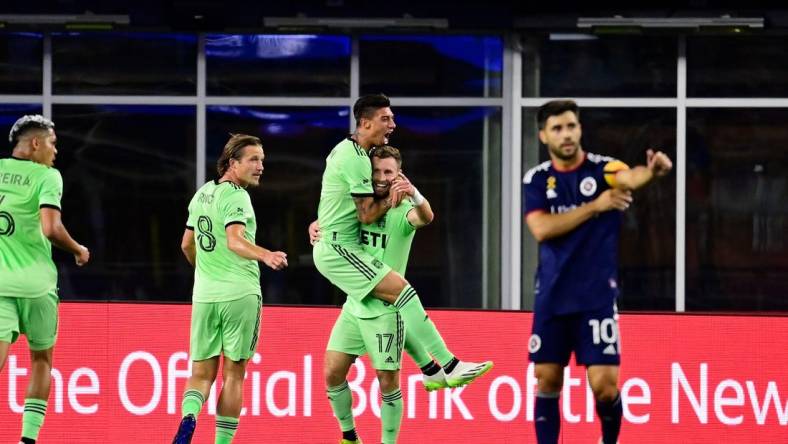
(431, 66)
(579, 65)
(20, 63)
(113, 63)
(277, 65)
(737, 208)
(750, 66)
(128, 173)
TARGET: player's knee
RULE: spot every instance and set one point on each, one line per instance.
(605, 391)
(333, 374)
(550, 385)
(389, 380)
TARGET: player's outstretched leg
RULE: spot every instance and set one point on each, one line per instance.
(420, 327)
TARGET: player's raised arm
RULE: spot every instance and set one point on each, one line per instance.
(658, 164)
(421, 214)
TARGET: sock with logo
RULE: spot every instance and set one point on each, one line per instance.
(390, 416)
(192, 403)
(226, 427)
(547, 419)
(420, 327)
(33, 418)
(610, 413)
(341, 401)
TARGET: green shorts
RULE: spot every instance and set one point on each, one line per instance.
(230, 328)
(381, 337)
(36, 318)
(349, 267)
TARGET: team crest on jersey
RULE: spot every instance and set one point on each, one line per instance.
(551, 183)
(534, 344)
(377, 264)
(588, 186)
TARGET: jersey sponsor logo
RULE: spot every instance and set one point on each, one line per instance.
(374, 239)
(561, 209)
(588, 186)
(534, 343)
(551, 184)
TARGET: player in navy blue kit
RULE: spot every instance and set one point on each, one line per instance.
(573, 206)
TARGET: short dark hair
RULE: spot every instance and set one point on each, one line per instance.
(366, 106)
(233, 150)
(555, 108)
(385, 152)
(27, 123)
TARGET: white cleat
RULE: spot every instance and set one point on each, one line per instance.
(435, 382)
(466, 372)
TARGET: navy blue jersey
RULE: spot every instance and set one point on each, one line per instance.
(579, 270)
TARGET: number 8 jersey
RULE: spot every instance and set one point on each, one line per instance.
(26, 266)
(220, 275)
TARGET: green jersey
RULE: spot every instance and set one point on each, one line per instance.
(220, 275)
(26, 266)
(388, 240)
(348, 174)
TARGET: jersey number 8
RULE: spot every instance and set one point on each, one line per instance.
(205, 239)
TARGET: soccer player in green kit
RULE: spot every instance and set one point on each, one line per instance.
(370, 326)
(346, 201)
(30, 223)
(219, 241)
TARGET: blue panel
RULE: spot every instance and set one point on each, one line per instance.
(264, 46)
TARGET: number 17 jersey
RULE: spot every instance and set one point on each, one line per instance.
(221, 275)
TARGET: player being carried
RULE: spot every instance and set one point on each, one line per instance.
(570, 207)
(370, 325)
(347, 200)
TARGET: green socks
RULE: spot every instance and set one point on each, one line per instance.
(391, 416)
(225, 429)
(192, 403)
(342, 404)
(33, 417)
(419, 325)
(416, 351)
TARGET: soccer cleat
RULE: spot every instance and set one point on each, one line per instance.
(435, 382)
(347, 441)
(466, 372)
(602, 442)
(185, 430)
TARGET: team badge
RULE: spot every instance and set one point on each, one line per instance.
(534, 344)
(588, 186)
(377, 264)
(551, 194)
